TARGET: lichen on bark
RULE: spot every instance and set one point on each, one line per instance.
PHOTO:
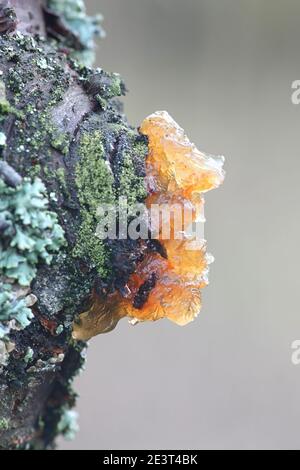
(66, 151)
(66, 141)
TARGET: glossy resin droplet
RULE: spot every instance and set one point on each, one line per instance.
(168, 283)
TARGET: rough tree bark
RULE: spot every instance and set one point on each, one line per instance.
(58, 119)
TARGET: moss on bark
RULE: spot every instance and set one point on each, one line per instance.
(60, 121)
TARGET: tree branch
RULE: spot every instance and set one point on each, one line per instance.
(51, 121)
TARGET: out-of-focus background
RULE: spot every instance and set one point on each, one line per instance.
(223, 69)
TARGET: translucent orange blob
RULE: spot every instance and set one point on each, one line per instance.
(164, 286)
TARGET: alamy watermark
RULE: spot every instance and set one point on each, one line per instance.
(178, 221)
(295, 357)
(295, 96)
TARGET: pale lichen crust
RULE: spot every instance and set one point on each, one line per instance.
(68, 22)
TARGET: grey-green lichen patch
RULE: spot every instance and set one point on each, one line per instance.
(80, 29)
(30, 235)
(68, 423)
(32, 232)
(12, 309)
(95, 183)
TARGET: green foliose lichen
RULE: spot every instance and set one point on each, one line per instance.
(32, 234)
(73, 14)
(68, 424)
(12, 308)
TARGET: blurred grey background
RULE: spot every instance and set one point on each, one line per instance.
(223, 69)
